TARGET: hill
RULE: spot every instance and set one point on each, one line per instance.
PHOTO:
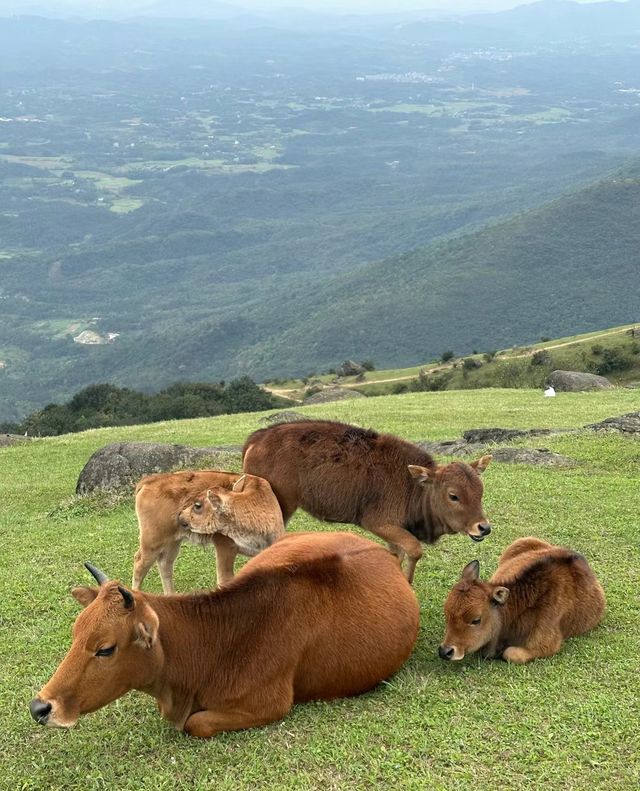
(408, 733)
(568, 266)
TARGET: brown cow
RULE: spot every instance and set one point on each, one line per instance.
(315, 616)
(539, 596)
(248, 519)
(342, 473)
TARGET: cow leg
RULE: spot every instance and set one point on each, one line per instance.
(205, 724)
(400, 538)
(166, 560)
(142, 562)
(226, 552)
(540, 644)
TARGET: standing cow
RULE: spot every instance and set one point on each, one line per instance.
(341, 473)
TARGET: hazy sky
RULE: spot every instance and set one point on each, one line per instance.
(315, 5)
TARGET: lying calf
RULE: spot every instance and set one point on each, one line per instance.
(315, 616)
(248, 520)
(539, 596)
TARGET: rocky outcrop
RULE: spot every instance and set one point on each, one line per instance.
(333, 394)
(536, 456)
(122, 464)
(577, 381)
(350, 368)
(498, 435)
(287, 416)
(625, 424)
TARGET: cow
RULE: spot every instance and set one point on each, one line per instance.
(315, 616)
(248, 519)
(341, 473)
(539, 596)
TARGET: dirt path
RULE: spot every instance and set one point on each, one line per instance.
(447, 366)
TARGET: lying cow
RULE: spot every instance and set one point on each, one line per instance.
(248, 519)
(315, 616)
(539, 596)
(342, 473)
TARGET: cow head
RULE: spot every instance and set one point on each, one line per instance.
(237, 513)
(454, 494)
(472, 613)
(114, 649)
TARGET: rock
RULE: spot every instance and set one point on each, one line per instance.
(450, 447)
(633, 385)
(287, 416)
(487, 435)
(576, 381)
(539, 456)
(350, 368)
(628, 423)
(333, 394)
(122, 464)
(13, 439)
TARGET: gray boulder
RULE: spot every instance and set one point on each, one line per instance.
(576, 381)
(122, 464)
(498, 435)
(536, 456)
(625, 424)
(333, 394)
(350, 368)
(287, 416)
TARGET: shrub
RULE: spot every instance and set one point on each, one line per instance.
(446, 356)
(597, 349)
(613, 360)
(368, 365)
(470, 364)
(541, 357)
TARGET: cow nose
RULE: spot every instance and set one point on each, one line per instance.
(40, 710)
(484, 529)
(445, 652)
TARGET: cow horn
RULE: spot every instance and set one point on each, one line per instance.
(127, 596)
(100, 576)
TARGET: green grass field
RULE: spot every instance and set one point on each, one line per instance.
(569, 722)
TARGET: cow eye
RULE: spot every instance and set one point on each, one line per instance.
(197, 505)
(453, 497)
(107, 651)
(476, 621)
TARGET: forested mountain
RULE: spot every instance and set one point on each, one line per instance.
(203, 200)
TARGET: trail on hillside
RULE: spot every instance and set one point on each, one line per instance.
(447, 366)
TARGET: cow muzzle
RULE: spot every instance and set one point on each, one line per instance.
(40, 710)
(483, 531)
(450, 653)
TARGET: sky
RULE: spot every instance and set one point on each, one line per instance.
(343, 6)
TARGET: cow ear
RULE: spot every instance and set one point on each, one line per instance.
(482, 463)
(500, 595)
(215, 501)
(147, 630)
(422, 474)
(471, 571)
(238, 486)
(84, 595)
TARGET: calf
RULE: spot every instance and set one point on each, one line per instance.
(539, 596)
(315, 616)
(342, 473)
(247, 519)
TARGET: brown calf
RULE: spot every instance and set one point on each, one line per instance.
(342, 473)
(246, 519)
(539, 596)
(315, 616)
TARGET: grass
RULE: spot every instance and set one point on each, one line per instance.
(569, 722)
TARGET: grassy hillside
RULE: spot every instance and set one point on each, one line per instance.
(568, 266)
(612, 352)
(567, 723)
